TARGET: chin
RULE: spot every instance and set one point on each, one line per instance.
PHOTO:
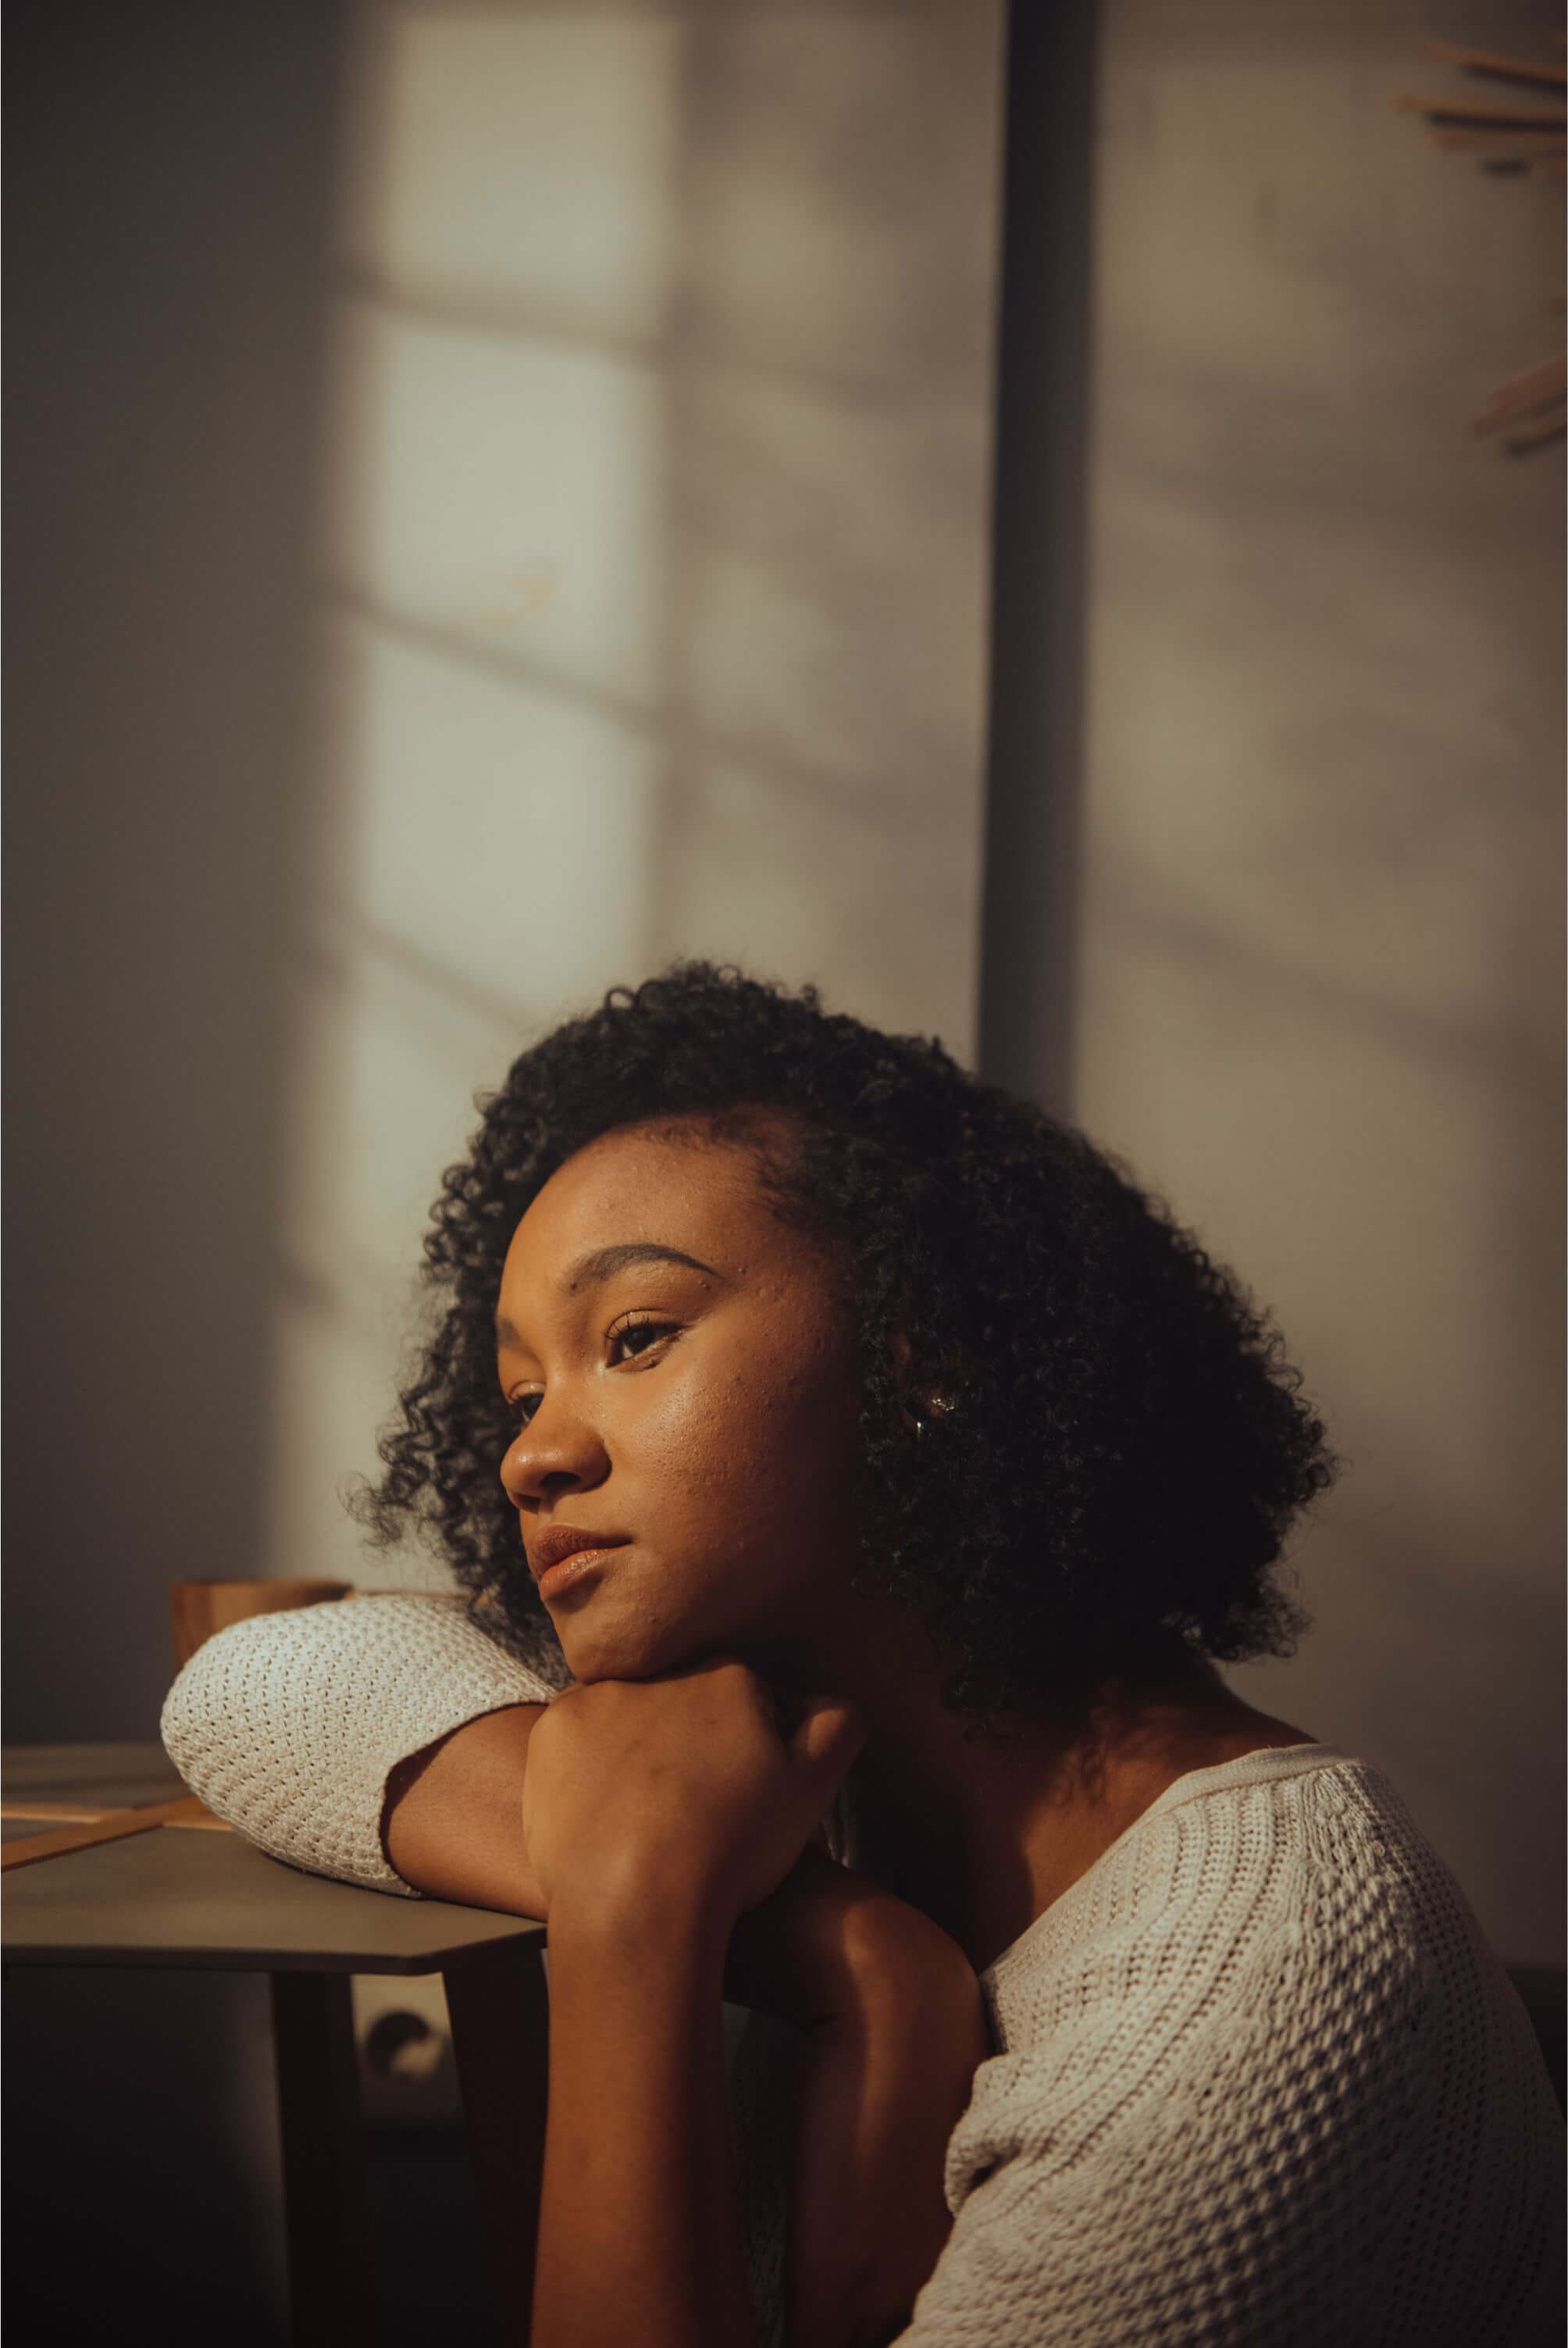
(630, 1651)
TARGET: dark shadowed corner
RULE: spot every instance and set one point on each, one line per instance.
(170, 180)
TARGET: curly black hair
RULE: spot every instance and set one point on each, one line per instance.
(1110, 1448)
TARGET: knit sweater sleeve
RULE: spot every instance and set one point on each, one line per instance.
(1264, 2084)
(1076, 2235)
(289, 1726)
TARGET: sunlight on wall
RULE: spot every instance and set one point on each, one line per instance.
(520, 160)
(543, 543)
(653, 579)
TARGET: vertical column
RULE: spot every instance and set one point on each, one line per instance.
(1035, 753)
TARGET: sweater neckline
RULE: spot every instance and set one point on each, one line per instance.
(1267, 1766)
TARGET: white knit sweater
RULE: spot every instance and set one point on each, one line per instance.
(1260, 2079)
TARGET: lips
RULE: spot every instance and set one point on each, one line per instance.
(554, 1546)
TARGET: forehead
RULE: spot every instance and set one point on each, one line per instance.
(680, 1187)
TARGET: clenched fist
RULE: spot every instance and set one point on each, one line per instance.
(678, 1788)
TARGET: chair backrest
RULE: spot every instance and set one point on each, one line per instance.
(197, 1609)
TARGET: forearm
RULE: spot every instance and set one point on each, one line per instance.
(454, 1819)
(887, 2082)
(639, 2234)
(895, 2029)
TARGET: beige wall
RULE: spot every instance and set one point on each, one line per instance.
(653, 562)
(1321, 978)
(497, 499)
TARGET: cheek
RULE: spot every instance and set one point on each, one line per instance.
(754, 1446)
(738, 1479)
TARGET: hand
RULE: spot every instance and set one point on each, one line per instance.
(828, 1940)
(678, 1790)
(895, 2029)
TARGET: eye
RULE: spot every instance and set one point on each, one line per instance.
(632, 1340)
(523, 1407)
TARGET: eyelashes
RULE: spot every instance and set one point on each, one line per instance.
(638, 1340)
(641, 1333)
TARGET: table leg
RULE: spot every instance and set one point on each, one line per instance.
(500, 2036)
(330, 2287)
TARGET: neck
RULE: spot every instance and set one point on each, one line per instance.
(984, 1831)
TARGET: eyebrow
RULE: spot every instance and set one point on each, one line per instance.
(604, 1263)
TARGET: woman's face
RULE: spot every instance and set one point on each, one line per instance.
(681, 1372)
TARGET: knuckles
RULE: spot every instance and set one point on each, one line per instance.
(720, 1699)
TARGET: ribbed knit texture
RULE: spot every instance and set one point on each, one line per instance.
(1261, 2081)
(290, 1726)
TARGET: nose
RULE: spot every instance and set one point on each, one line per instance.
(558, 1451)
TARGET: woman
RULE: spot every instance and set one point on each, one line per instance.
(882, 1458)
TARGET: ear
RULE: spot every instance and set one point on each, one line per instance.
(916, 1404)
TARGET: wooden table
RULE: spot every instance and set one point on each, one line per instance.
(205, 1899)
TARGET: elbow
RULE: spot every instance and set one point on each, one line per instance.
(185, 1723)
(207, 1724)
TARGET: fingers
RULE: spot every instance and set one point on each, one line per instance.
(831, 1733)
